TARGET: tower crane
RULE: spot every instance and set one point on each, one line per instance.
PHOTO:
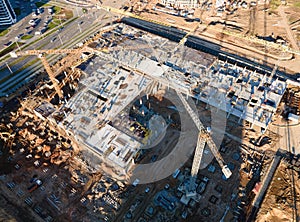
(42, 56)
(203, 138)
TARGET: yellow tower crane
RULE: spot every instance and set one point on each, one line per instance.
(42, 56)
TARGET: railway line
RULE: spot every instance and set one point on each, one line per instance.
(198, 43)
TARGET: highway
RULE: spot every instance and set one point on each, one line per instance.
(76, 31)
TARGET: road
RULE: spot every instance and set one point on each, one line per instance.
(77, 30)
(289, 135)
(287, 28)
(264, 187)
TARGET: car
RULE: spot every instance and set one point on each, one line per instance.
(37, 21)
(50, 11)
(31, 22)
(7, 44)
(40, 10)
(197, 20)
(189, 20)
(17, 166)
(147, 190)
(19, 36)
(52, 40)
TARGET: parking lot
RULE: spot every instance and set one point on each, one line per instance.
(35, 19)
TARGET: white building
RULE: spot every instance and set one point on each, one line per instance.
(7, 14)
(181, 3)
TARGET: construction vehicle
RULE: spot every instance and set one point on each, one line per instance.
(34, 186)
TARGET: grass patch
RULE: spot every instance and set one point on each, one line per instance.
(27, 65)
(21, 69)
(25, 37)
(3, 32)
(297, 4)
(6, 77)
(23, 57)
(274, 4)
(52, 25)
(39, 4)
(56, 9)
(56, 20)
(17, 11)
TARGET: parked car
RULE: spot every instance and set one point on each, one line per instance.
(31, 22)
(19, 36)
(8, 44)
(40, 10)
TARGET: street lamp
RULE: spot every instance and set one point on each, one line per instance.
(60, 39)
(9, 68)
(18, 45)
(79, 27)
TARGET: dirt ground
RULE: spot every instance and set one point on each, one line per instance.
(232, 28)
(282, 199)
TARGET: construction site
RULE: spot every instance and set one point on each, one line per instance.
(143, 121)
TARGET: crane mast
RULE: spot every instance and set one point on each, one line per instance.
(203, 138)
(196, 165)
(51, 75)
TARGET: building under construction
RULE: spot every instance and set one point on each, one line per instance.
(114, 100)
(111, 82)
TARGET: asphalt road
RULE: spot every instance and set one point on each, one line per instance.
(72, 33)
